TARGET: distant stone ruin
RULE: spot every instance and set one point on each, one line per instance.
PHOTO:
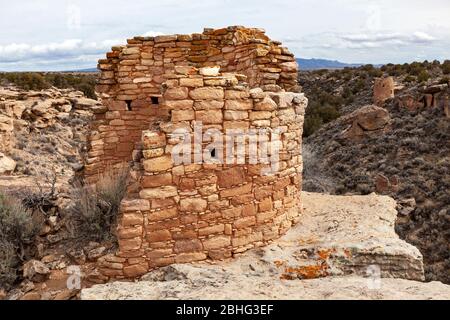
(383, 89)
(186, 111)
(413, 99)
(427, 97)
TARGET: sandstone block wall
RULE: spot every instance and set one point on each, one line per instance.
(190, 212)
(226, 79)
(132, 76)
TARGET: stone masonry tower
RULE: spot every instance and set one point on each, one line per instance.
(183, 92)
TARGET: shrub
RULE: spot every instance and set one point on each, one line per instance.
(321, 72)
(18, 230)
(395, 69)
(41, 199)
(88, 90)
(323, 107)
(8, 264)
(348, 76)
(409, 78)
(41, 80)
(96, 207)
(363, 188)
(347, 94)
(359, 85)
(415, 68)
(446, 67)
(319, 116)
(17, 225)
(423, 76)
(376, 73)
(444, 80)
(314, 177)
(368, 67)
(312, 124)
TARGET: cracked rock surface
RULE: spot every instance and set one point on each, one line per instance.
(345, 247)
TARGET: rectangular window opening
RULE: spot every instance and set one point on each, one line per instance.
(155, 100)
(128, 102)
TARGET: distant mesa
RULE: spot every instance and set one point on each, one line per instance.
(315, 64)
(85, 70)
(305, 64)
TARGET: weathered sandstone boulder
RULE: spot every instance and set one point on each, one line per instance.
(365, 120)
(84, 103)
(6, 124)
(35, 270)
(7, 165)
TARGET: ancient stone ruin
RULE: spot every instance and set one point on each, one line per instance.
(167, 93)
(383, 89)
(412, 99)
(427, 97)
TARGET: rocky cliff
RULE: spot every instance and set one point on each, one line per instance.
(399, 148)
(43, 131)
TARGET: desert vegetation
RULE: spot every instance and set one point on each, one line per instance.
(18, 230)
(408, 159)
(84, 82)
(332, 93)
(95, 207)
(33, 216)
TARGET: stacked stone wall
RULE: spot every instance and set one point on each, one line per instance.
(205, 86)
(132, 78)
(177, 213)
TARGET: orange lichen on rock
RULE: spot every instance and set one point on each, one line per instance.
(305, 272)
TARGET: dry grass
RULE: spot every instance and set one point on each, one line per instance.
(96, 208)
(8, 264)
(18, 230)
(314, 178)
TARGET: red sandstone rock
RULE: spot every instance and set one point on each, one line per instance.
(207, 94)
(216, 242)
(162, 214)
(364, 120)
(158, 164)
(231, 177)
(134, 205)
(193, 204)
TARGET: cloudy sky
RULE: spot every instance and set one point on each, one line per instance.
(73, 34)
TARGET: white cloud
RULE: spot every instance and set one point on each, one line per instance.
(422, 37)
(152, 34)
(375, 40)
(56, 33)
(375, 37)
(69, 48)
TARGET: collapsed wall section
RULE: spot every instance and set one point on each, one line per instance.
(140, 67)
